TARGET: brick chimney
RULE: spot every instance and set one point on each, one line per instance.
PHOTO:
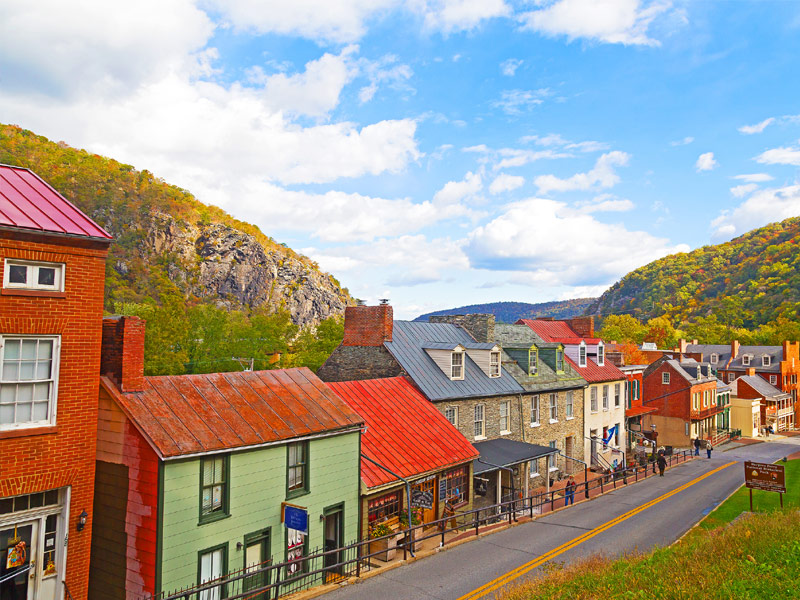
(368, 325)
(480, 326)
(583, 326)
(123, 352)
(734, 348)
(751, 371)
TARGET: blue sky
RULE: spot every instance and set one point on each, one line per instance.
(435, 152)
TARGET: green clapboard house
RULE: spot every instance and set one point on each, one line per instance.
(193, 471)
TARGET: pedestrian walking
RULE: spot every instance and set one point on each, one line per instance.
(709, 448)
(662, 463)
(697, 446)
(569, 492)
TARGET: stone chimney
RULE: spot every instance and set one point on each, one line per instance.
(683, 347)
(751, 371)
(734, 348)
(583, 326)
(368, 325)
(479, 326)
(122, 356)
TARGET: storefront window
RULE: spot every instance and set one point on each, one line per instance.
(384, 507)
(455, 486)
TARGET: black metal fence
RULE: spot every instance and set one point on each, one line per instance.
(270, 580)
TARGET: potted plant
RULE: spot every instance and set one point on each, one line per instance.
(385, 546)
(415, 520)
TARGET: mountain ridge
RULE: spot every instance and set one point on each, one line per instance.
(509, 312)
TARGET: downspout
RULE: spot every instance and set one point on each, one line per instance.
(408, 497)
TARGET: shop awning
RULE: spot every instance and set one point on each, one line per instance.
(638, 411)
(506, 453)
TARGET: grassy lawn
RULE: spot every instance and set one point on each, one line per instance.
(762, 501)
(756, 558)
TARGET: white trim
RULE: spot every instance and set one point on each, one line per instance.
(54, 378)
(32, 271)
(582, 354)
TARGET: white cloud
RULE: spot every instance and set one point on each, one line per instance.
(509, 66)
(451, 16)
(506, 183)
(765, 206)
(754, 177)
(456, 192)
(757, 128)
(602, 175)
(611, 21)
(780, 156)
(740, 191)
(342, 21)
(705, 162)
(605, 203)
(385, 71)
(515, 102)
(551, 244)
(554, 139)
(684, 142)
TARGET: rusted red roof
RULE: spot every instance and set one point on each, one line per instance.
(556, 331)
(405, 432)
(636, 411)
(594, 373)
(27, 202)
(190, 414)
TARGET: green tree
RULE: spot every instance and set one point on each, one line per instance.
(622, 328)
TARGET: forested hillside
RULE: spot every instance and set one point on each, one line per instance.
(509, 312)
(750, 281)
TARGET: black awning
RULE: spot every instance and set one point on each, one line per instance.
(506, 453)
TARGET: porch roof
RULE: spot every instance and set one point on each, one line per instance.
(506, 453)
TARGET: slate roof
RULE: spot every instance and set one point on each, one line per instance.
(28, 202)
(755, 352)
(404, 432)
(688, 370)
(409, 339)
(761, 386)
(194, 414)
(505, 453)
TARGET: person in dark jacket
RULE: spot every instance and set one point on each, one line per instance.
(662, 463)
(709, 448)
(697, 446)
(569, 492)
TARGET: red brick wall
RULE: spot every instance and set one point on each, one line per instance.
(48, 458)
(367, 325)
(583, 326)
(673, 399)
(123, 352)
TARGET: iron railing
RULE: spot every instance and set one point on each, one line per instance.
(270, 580)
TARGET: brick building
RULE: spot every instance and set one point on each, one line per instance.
(776, 407)
(52, 265)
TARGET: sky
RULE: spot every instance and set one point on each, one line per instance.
(437, 153)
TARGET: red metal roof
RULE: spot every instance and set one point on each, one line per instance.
(405, 432)
(27, 202)
(556, 331)
(190, 414)
(636, 411)
(594, 373)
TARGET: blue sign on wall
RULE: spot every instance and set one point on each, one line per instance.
(295, 518)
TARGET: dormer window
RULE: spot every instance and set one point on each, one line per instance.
(582, 354)
(533, 362)
(746, 359)
(766, 360)
(494, 364)
(601, 354)
(560, 360)
(714, 359)
(456, 365)
(25, 275)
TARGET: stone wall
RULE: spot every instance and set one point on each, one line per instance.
(352, 363)
(479, 326)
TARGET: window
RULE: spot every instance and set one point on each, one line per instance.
(714, 359)
(494, 364)
(605, 397)
(695, 401)
(384, 507)
(756, 420)
(605, 437)
(616, 394)
(551, 459)
(451, 414)
(533, 362)
(570, 402)
(534, 410)
(297, 469)
(505, 410)
(560, 360)
(212, 565)
(686, 429)
(455, 486)
(773, 379)
(48, 565)
(601, 354)
(28, 381)
(665, 378)
(214, 487)
(731, 377)
(457, 365)
(553, 408)
(617, 430)
(593, 402)
(26, 275)
(766, 360)
(479, 421)
(28, 501)
(582, 354)
(533, 467)
(745, 359)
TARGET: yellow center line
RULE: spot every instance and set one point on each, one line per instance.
(499, 582)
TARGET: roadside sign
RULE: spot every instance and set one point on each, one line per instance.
(764, 476)
(295, 517)
(420, 499)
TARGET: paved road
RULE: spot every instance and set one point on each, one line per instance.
(464, 569)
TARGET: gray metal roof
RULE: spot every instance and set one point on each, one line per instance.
(505, 453)
(409, 339)
(760, 385)
(755, 352)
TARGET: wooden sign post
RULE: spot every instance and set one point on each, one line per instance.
(766, 477)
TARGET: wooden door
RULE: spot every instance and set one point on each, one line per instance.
(428, 514)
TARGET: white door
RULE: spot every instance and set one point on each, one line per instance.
(18, 561)
(211, 564)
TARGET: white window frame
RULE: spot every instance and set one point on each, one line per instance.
(32, 275)
(559, 360)
(552, 465)
(535, 411)
(714, 358)
(665, 378)
(570, 405)
(454, 411)
(457, 370)
(533, 467)
(766, 360)
(593, 399)
(554, 408)
(480, 423)
(601, 355)
(617, 397)
(505, 417)
(494, 363)
(731, 377)
(533, 362)
(605, 396)
(773, 379)
(53, 380)
(746, 360)
(582, 354)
